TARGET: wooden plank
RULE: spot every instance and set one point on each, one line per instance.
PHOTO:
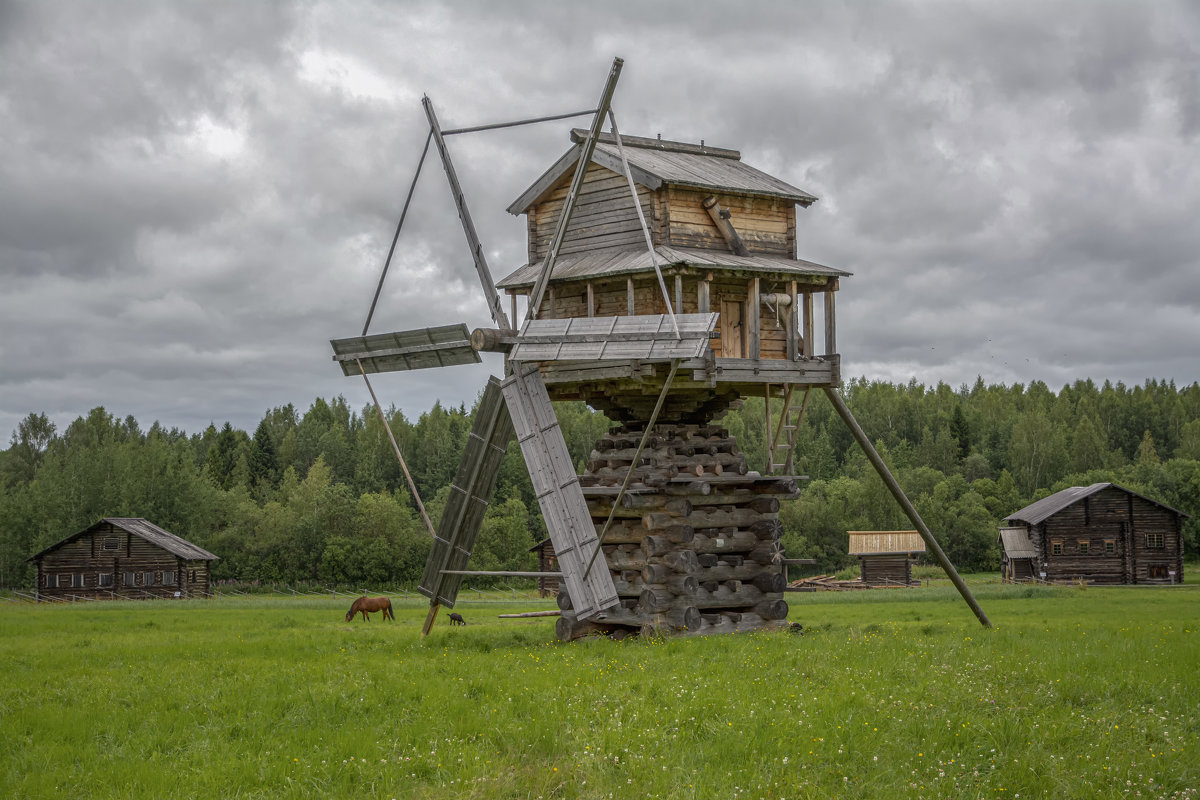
(564, 508)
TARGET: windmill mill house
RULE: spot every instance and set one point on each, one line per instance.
(662, 287)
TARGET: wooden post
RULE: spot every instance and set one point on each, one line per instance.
(806, 343)
(679, 293)
(702, 294)
(591, 299)
(429, 619)
(793, 348)
(830, 322)
(629, 294)
(753, 320)
(909, 510)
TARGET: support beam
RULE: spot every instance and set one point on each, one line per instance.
(830, 323)
(754, 319)
(464, 215)
(586, 149)
(910, 511)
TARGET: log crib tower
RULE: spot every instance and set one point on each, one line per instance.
(662, 287)
(694, 544)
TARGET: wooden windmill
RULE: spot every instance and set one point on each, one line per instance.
(662, 288)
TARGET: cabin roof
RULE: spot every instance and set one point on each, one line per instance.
(1043, 509)
(622, 261)
(146, 530)
(873, 543)
(1016, 544)
(655, 162)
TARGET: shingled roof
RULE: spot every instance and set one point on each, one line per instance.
(146, 530)
(1043, 509)
(655, 162)
(610, 262)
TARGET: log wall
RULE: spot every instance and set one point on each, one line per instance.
(886, 570)
(694, 549)
(1112, 536)
(110, 562)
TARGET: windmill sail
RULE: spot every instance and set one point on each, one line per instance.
(440, 346)
(559, 494)
(647, 337)
(469, 495)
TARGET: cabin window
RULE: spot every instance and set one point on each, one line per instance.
(1110, 547)
(129, 579)
(104, 579)
(51, 581)
(147, 579)
(1154, 541)
(1056, 547)
(112, 544)
(77, 580)
(1083, 545)
(168, 578)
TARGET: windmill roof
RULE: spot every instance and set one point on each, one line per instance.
(1047, 507)
(622, 261)
(655, 162)
(146, 530)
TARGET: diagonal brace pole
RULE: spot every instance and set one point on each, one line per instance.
(564, 218)
(910, 511)
(612, 512)
(403, 466)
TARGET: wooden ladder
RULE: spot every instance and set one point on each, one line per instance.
(789, 420)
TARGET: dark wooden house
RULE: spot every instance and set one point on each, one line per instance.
(1101, 533)
(548, 563)
(886, 557)
(122, 557)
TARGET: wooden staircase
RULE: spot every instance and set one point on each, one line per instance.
(781, 450)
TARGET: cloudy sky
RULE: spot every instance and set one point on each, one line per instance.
(196, 197)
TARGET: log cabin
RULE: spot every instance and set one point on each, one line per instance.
(1103, 533)
(122, 557)
(886, 557)
(723, 234)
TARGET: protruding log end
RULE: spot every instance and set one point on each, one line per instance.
(492, 340)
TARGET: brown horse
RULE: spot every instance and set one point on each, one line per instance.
(366, 604)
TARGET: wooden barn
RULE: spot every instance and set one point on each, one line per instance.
(886, 557)
(1101, 533)
(122, 557)
(548, 563)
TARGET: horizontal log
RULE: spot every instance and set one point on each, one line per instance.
(737, 541)
(704, 518)
(744, 596)
(530, 614)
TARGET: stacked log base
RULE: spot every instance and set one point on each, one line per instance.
(694, 544)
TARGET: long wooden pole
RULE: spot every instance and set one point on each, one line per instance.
(464, 215)
(395, 447)
(910, 511)
(564, 218)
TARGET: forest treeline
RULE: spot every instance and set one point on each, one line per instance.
(319, 496)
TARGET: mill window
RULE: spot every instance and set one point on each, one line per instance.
(1154, 541)
(1056, 547)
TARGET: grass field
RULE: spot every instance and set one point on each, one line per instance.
(1076, 693)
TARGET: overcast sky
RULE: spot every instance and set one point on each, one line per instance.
(196, 197)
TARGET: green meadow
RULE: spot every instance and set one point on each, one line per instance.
(1075, 693)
